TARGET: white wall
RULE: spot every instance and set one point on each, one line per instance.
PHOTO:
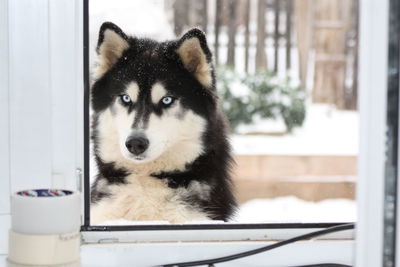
(4, 123)
(41, 92)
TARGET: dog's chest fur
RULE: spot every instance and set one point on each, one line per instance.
(146, 198)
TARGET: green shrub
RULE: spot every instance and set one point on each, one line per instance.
(262, 95)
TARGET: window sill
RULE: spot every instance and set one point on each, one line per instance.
(206, 233)
(153, 254)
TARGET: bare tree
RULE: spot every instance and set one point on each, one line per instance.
(289, 13)
(199, 14)
(246, 35)
(352, 102)
(204, 15)
(232, 6)
(181, 15)
(261, 57)
(217, 25)
(277, 11)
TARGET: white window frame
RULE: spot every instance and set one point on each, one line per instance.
(54, 76)
(41, 90)
(373, 62)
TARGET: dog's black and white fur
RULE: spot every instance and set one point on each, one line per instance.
(159, 137)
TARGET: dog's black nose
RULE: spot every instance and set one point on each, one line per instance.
(137, 144)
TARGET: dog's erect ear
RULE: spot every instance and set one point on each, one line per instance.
(196, 56)
(111, 45)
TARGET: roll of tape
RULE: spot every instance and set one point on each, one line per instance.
(45, 212)
(43, 249)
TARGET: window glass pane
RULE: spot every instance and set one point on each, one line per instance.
(286, 78)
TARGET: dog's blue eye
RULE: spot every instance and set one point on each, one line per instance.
(126, 99)
(168, 100)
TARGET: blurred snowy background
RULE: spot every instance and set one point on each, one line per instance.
(287, 74)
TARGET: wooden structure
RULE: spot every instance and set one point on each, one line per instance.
(311, 178)
(327, 29)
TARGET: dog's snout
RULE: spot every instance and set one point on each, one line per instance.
(137, 144)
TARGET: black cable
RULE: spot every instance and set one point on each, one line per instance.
(324, 265)
(312, 265)
(307, 236)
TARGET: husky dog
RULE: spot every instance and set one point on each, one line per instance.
(158, 134)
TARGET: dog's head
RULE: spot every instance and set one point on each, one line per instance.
(150, 98)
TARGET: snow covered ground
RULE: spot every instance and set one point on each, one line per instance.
(326, 131)
(292, 209)
(281, 210)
